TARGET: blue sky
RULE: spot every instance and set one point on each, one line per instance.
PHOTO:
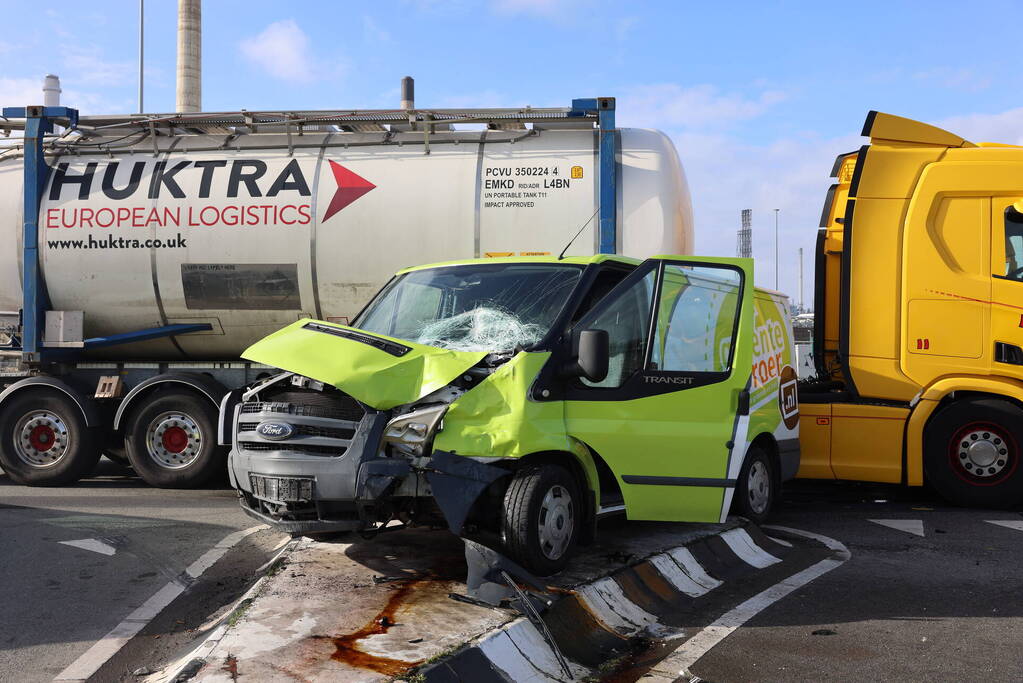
(759, 97)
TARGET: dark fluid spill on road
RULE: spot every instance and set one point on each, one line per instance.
(347, 646)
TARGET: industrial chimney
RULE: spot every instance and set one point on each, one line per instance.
(189, 56)
(408, 93)
(51, 91)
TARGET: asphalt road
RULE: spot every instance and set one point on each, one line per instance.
(944, 606)
(74, 562)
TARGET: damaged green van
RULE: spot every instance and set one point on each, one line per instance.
(518, 400)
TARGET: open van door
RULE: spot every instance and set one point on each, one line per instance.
(670, 417)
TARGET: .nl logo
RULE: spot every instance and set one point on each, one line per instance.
(275, 431)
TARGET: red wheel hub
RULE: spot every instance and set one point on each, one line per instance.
(42, 437)
(175, 439)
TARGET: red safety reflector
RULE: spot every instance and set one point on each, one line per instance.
(919, 343)
(1021, 319)
(927, 343)
(823, 421)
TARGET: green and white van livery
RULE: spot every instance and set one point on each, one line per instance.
(517, 400)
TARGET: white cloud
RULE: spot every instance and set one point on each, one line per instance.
(961, 78)
(1005, 127)
(372, 32)
(282, 50)
(669, 105)
(86, 65)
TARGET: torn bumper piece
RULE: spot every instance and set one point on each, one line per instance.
(457, 483)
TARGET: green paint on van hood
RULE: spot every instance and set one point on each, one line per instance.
(372, 375)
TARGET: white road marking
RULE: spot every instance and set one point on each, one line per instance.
(606, 600)
(667, 568)
(748, 551)
(694, 569)
(111, 643)
(780, 541)
(689, 652)
(93, 544)
(910, 526)
(1016, 524)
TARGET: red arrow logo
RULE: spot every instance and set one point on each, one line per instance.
(349, 188)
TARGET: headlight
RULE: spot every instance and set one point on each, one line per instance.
(409, 433)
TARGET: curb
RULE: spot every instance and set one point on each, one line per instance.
(607, 626)
(190, 664)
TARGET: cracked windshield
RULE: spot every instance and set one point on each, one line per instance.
(489, 307)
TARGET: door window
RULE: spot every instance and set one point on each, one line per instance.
(1013, 245)
(696, 315)
(627, 321)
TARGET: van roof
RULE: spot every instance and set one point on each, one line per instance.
(574, 260)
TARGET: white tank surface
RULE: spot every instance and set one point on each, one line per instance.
(249, 231)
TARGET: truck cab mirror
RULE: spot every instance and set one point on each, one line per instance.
(593, 356)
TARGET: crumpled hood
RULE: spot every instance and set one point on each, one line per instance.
(380, 371)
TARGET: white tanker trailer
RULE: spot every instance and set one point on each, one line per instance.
(168, 244)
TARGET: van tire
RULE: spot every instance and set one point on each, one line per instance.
(171, 441)
(756, 489)
(541, 501)
(972, 453)
(40, 417)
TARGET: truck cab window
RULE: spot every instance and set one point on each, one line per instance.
(1013, 245)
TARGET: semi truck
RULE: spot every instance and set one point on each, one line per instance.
(918, 336)
(516, 400)
(145, 252)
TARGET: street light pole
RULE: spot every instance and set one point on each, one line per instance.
(776, 249)
(142, 31)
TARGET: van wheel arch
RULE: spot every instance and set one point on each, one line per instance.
(570, 462)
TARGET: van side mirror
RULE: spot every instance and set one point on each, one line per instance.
(594, 355)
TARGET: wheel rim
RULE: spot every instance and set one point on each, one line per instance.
(556, 523)
(758, 487)
(41, 438)
(983, 454)
(173, 440)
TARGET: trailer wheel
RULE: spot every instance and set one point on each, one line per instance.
(541, 518)
(44, 440)
(172, 441)
(972, 453)
(756, 489)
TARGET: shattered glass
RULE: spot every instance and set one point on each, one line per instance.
(490, 307)
(481, 329)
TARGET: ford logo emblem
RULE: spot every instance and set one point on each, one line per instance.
(275, 431)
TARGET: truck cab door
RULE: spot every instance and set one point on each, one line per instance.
(666, 419)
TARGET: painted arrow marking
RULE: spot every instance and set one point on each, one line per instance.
(93, 544)
(910, 526)
(1016, 524)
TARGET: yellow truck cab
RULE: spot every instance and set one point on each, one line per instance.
(918, 338)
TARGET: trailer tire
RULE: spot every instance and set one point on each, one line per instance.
(756, 489)
(542, 516)
(972, 453)
(44, 440)
(171, 440)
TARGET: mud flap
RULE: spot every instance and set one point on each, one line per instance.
(456, 483)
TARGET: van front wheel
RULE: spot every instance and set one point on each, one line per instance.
(541, 518)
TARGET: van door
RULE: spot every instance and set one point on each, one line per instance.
(665, 419)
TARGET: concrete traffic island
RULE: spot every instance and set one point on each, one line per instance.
(396, 608)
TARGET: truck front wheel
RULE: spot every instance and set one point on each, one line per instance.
(972, 453)
(44, 440)
(172, 441)
(541, 518)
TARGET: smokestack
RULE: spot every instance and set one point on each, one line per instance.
(408, 93)
(189, 56)
(51, 91)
